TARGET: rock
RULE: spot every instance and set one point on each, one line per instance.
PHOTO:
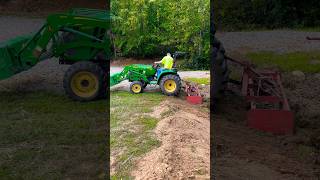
(298, 75)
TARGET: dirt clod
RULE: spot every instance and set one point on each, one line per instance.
(298, 76)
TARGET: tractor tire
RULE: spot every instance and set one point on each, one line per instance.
(170, 85)
(136, 87)
(85, 81)
(221, 71)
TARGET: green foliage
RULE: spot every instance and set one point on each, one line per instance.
(303, 61)
(148, 28)
(244, 14)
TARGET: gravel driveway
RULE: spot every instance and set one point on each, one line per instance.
(279, 41)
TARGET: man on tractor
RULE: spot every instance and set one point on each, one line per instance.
(167, 63)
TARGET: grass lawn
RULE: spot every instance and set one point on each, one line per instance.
(47, 136)
(205, 81)
(308, 62)
(131, 128)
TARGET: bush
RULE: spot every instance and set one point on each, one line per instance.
(244, 14)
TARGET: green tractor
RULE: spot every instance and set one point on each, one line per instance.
(79, 38)
(141, 75)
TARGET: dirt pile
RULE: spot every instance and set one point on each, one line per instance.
(244, 153)
(184, 131)
(304, 100)
(45, 76)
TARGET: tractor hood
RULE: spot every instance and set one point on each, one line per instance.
(148, 70)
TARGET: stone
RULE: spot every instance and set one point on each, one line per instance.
(298, 75)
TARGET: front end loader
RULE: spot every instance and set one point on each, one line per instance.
(141, 75)
(79, 38)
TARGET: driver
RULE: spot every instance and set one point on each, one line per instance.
(167, 63)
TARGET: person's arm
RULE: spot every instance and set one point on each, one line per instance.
(158, 62)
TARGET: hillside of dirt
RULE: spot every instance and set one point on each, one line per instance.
(184, 153)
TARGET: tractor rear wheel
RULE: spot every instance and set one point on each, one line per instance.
(84, 81)
(136, 87)
(170, 85)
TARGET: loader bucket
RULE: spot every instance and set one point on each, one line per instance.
(115, 79)
(9, 63)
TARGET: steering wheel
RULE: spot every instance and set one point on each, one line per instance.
(155, 66)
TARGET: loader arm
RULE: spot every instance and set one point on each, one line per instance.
(134, 72)
(56, 23)
(77, 35)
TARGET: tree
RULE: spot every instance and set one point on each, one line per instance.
(149, 28)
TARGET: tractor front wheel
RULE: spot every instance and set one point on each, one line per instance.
(170, 85)
(84, 81)
(136, 87)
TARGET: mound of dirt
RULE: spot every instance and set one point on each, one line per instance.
(184, 131)
(45, 76)
(305, 102)
(243, 153)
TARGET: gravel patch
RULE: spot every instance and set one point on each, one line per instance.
(278, 41)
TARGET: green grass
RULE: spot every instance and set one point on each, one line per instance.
(308, 29)
(131, 129)
(302, 61)
(50, 136)
(205, 81)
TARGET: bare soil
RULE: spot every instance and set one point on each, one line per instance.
(184, 132)
(244, 153)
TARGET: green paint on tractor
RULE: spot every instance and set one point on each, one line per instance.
(74, 37)
(141, 75)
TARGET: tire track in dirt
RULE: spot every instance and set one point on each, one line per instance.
(184, 131)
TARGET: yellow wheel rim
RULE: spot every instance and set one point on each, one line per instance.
(84, 84)
(170, 85)
(136, 88)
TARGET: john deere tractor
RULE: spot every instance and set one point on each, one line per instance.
(141, 75)
(78, 37)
